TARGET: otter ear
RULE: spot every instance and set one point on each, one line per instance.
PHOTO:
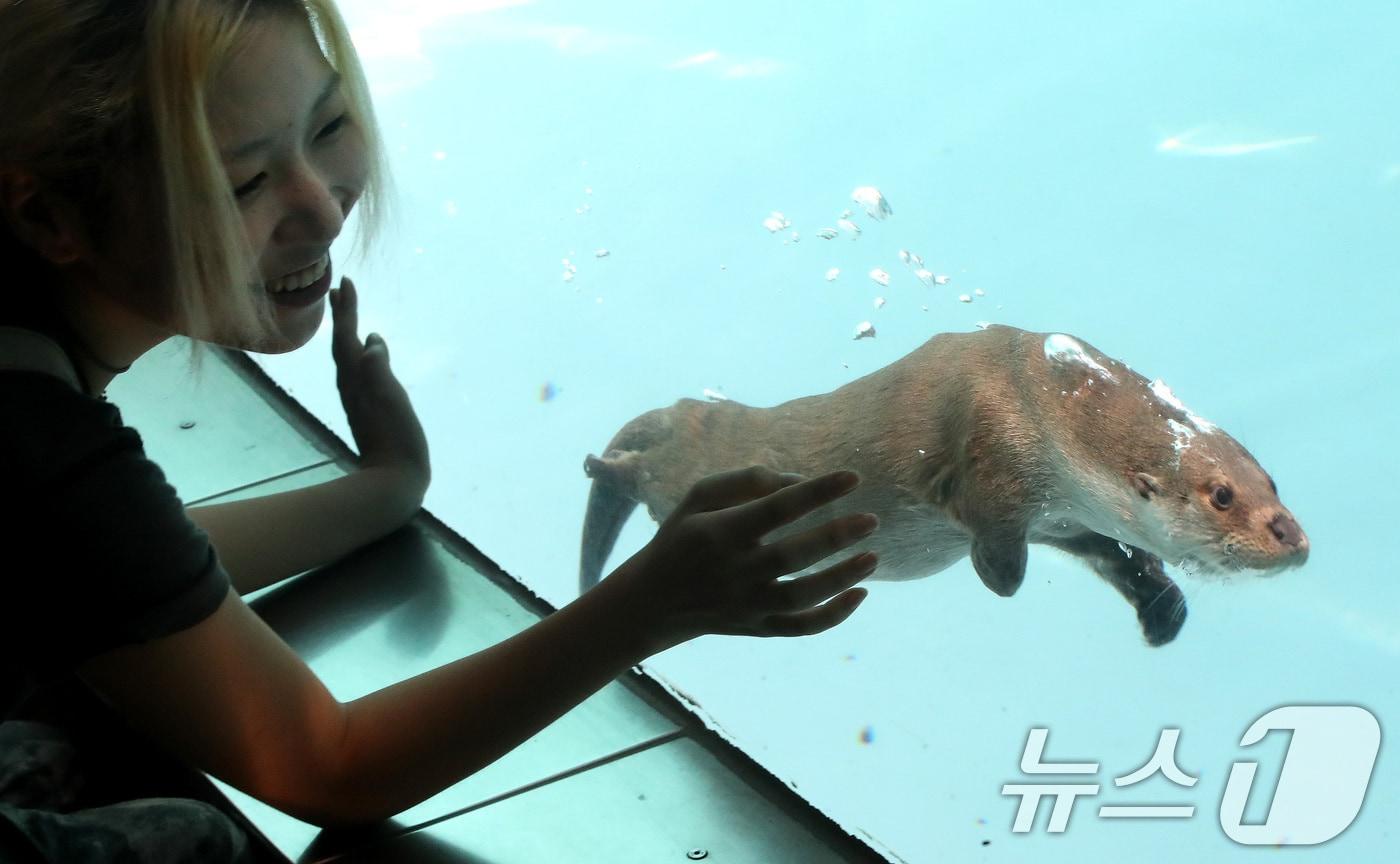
(1146, 485)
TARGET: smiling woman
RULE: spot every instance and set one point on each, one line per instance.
(158, 234)
(305, 158)
(119, 228)
(183, 167)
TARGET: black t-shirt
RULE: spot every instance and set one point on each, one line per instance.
(96, 550)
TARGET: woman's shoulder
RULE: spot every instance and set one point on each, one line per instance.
(133, 565)
(54, 438)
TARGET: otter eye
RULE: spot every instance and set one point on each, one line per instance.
(1221, 497)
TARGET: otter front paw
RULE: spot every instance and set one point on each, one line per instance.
(1000, 560)
(1162, 618)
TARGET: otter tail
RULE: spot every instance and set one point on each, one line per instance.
(608, 509)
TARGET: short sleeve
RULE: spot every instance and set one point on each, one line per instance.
(112, 558)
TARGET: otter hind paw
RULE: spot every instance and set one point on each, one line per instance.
(592, 465)
(1161, 619)
(613, 466)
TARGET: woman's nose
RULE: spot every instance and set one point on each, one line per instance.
(318, 207)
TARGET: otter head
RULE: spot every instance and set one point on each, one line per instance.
(1215, 511)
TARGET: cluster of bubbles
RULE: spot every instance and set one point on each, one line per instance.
(570, 268)
(868, 199)
(877, 207)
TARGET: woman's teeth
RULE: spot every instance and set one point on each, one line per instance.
(299, 279)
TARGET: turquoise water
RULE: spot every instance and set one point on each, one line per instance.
(1208, 192)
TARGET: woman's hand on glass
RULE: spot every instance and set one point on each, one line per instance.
(707, 571)
(382, 420)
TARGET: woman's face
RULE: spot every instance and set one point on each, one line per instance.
(295, 160)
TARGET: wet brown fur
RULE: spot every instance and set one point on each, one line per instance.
(974, 443)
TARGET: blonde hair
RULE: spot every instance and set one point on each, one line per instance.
(104, 101)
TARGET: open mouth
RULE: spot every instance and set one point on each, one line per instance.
(302, 288)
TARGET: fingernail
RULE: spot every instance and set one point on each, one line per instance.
(865, 563)
(866, 524)
(846, 480)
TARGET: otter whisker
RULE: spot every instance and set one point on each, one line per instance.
(1200, 561)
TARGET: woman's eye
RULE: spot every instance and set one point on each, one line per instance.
(329, 129)
(334, 126)
(1221, 497)
(249, 188)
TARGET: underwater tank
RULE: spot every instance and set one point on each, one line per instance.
(606, 208)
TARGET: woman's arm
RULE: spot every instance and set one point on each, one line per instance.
(261, 541)
(264, 540)
(230, 697)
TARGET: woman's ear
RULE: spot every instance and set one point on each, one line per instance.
(36, 218)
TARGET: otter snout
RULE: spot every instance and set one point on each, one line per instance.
(1285, 529)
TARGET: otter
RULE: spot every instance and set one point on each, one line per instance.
(978, 444)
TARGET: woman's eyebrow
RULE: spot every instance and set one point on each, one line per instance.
(243, 151)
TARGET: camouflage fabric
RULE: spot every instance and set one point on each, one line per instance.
(41, 819)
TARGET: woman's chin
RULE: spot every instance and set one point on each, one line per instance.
(288, 337)
(300, 325)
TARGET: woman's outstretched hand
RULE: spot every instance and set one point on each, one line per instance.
(386, 430)
(707, 571)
